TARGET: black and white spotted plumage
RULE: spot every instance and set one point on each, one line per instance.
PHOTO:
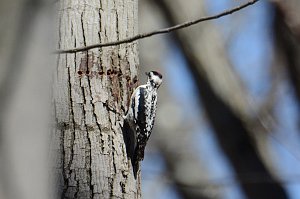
(139, 119)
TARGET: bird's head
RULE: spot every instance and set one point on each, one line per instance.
(154, 78)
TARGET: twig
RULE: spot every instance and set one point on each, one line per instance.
(160, 31)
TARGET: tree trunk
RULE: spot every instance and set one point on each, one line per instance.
(91, 157)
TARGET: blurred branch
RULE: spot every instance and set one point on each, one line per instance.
(264, 119)
(180, 178)
(156, 32)
(288, 11)
(24, 99)
(287, 38)
(20, 19)
(178, 151)
(254, 178)
(224, 100)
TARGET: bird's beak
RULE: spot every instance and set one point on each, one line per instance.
(147, 73)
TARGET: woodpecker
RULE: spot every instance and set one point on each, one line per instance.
(139, 118)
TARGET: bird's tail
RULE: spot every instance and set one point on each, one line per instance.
(128, 139)
(130, 143)
(135, 167)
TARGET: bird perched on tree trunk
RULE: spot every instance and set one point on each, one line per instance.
(139, 119)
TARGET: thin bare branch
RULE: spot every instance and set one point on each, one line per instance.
(160, 31)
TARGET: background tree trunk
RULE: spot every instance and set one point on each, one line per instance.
(171, 135)
(25, 39)
(226, 103)
(286, 28)
(91, 160)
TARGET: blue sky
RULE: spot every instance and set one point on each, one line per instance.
(251, 54)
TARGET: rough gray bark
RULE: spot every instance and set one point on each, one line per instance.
(92, 161)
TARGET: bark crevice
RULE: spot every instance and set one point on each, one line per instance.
(94, 160)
